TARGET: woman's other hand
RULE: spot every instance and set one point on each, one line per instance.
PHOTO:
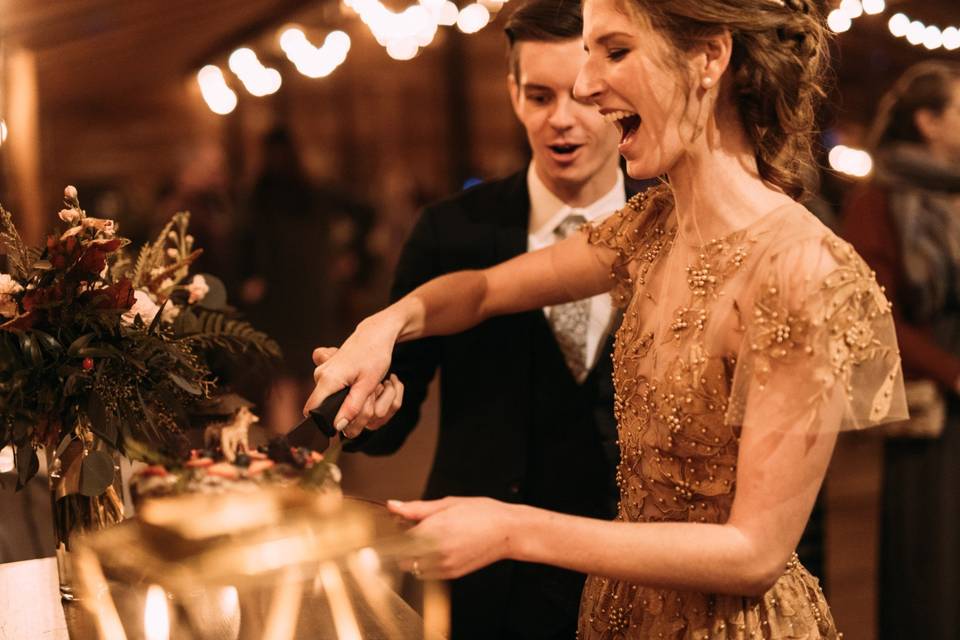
(466, 533)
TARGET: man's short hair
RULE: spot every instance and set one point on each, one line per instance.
(541, 21)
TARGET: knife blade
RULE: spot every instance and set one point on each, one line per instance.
(317, 430)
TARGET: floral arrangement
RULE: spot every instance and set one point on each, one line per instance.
(101, 354)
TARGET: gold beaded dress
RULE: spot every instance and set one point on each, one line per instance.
(781, 313)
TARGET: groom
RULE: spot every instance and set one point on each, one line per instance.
(526, 404)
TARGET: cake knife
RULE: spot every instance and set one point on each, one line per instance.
(317, 430)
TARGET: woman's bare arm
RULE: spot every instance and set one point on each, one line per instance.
(780, 469)
(569, 270)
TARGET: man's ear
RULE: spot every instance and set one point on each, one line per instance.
(514, 88)
(926, 122)
(713, 57)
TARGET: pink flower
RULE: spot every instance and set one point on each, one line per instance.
(70, 216)
(198, 289)
(8, 287)
(170, 313)
(106, 228)
(143, 306)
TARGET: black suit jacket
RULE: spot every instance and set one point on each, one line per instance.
(514, 424)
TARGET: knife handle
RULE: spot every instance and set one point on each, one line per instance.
(324, 414)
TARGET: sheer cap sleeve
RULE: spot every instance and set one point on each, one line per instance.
(635, 235)
(819, 350)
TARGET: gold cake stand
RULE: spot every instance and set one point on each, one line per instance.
(272, 564)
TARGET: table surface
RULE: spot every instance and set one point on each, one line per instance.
(30, 604)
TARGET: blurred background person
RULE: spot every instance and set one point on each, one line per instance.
(304, 257)
(906, 224)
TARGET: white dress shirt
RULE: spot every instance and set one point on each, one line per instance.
(544, 205)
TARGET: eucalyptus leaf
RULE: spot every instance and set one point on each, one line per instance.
(186, 385)
(80, 343)
(48, 342)
(96, 474)
(31, 350)
(95, 352)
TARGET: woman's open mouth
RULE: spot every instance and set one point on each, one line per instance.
(627, 122)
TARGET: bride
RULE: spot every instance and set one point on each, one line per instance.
(751, 334)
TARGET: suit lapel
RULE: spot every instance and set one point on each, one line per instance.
(513, 218)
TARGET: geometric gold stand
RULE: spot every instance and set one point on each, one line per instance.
(275, 564)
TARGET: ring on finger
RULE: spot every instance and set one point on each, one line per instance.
(415, 569)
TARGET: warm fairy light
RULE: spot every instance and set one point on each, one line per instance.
(874, 7)
(951, 38)
(898, 24)
(853, 162)
(156, 616)
(402, 48)
(449, 14)
(244, 62)
(915, 32)
(932, 38)
(473, 17)
(311, 61)
(838, 21)
(851, 8)
(257, 79)
(213, 87)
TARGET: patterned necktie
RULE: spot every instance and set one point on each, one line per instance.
(569, 321)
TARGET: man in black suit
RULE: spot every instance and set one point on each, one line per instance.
(526, 406)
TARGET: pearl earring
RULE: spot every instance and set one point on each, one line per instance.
(707, 82)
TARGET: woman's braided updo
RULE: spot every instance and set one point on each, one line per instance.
(777, 70)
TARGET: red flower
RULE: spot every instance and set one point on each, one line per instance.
(116, 296)
(94, 257)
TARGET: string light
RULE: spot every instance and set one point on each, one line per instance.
(898, 25)
(473, 17)
(951, 38)
(402, 34)
(850, 161)
(917, 33)
(213, 87)
(311, 61)
(257, 79)
(419, 23)
(838, 21)
(851, 8)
